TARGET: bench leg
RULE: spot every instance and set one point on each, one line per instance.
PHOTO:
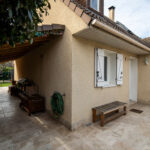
(94, 115)
(102, 119)
(125, 110)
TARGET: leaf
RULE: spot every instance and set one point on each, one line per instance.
(10, 12)
(49, 5)
(18, 6)
(31, 41)
(30, 16)
(19, 19)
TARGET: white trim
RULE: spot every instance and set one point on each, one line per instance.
(133, 79)
(120, 59)
(95, 55)
(98, 7)
(98, 24)
(110, 85)
(98, 82)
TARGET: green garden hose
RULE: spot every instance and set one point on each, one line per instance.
(57, 104)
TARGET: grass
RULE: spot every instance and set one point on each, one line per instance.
(5, 84)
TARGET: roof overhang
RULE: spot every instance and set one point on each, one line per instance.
(106, 35)
(8, 53)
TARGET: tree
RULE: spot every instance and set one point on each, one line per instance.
(6, 71)
(19, 19)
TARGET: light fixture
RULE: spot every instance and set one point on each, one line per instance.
(146, 61)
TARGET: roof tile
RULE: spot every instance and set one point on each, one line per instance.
(89, 15)
(78, 11)
(72, 6)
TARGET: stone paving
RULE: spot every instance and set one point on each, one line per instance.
(18, 131)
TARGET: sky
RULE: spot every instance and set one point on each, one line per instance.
(135, 14)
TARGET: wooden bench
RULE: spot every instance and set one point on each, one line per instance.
(109, 112)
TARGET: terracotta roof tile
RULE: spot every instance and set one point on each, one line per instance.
(147, 40)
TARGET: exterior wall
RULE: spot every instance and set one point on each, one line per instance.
(50, 66)
(62, 14)
(67, 65)
(84, 95)
(144, 80)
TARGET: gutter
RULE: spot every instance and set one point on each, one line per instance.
(100, 25)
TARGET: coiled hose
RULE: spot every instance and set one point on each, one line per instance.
(57, 104)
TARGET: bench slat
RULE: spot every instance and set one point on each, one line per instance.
(104, 110)
(114, 117)
(109, 107)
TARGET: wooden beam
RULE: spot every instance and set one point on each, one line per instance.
(44, 28)
(10, 53)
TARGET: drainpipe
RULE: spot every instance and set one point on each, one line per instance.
(100, 25)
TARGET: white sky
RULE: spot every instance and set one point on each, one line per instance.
(135, 14)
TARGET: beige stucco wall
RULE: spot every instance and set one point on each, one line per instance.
(62, 14)
(84, 95)
(49, 66)
(143, 80)
(67, 65)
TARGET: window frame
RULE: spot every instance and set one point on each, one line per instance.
(98, 5)
(107, 83)
(105, 68)
(101, 7)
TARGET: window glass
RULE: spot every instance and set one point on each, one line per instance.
(105, 68)
(95, 4)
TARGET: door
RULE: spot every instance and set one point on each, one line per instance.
(133, 79)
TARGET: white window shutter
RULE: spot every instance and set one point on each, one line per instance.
(119, 69)
(99, 55)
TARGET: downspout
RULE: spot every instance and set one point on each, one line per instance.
(100, 25)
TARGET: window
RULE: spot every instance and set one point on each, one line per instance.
(95, 4)
(105, 68)
(109, 68)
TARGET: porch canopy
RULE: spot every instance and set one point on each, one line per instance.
(44, 33)
(102, 33)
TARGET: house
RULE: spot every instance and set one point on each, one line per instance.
(96, 61)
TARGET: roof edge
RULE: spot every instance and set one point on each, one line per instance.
(88, 16)
(100, 25)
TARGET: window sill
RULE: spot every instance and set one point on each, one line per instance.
(109, 86)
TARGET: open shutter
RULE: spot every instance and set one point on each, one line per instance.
(99, 55)
(119, 69)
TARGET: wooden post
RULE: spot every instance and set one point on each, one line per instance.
(94, 115)
(125, 110)
(102, 119)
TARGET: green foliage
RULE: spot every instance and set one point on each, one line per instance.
(8, 65)
(19, 19)
(6, 71)
(5, 84)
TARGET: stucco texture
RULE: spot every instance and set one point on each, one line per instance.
(84, 94)
(66, 64)
(143, 80)
(49, 66)
(62, 14)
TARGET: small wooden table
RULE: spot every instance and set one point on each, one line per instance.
(109, 112)
(32, 104)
